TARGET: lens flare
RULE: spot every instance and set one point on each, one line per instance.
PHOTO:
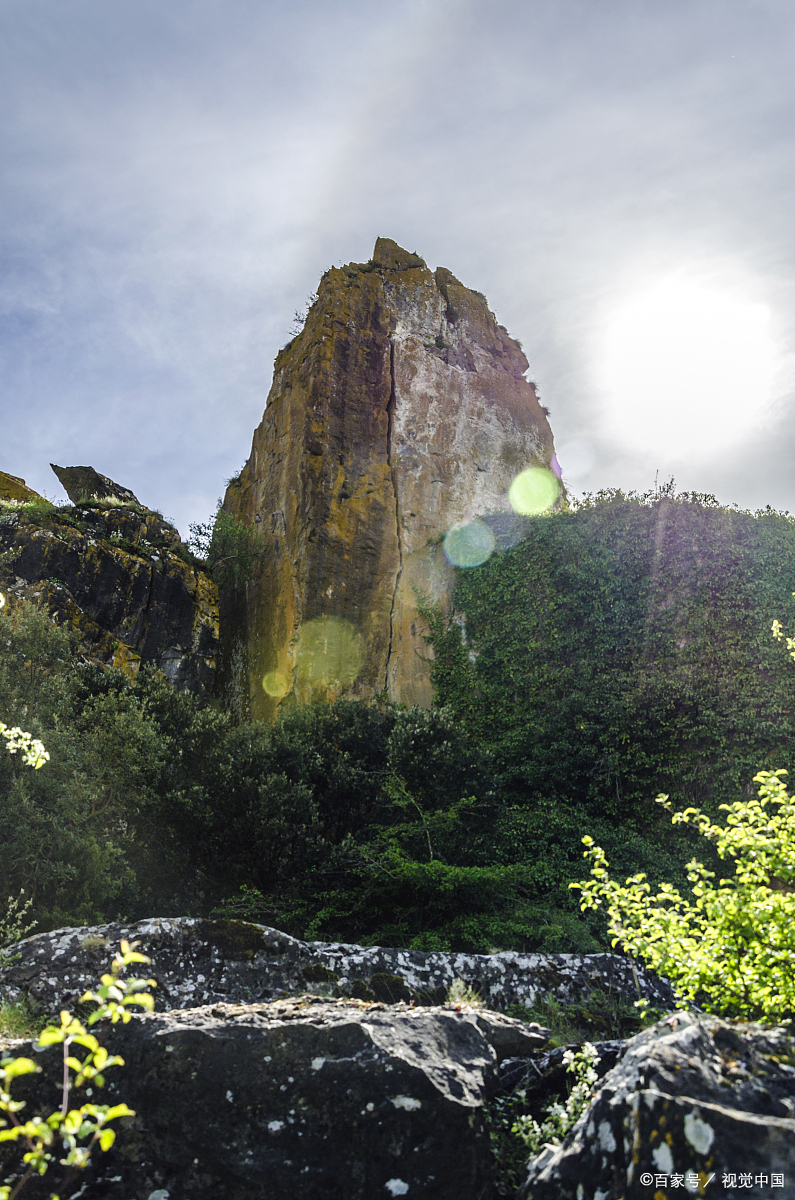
(275, 684)
(329, 652)
(469, 545)
(534, 491)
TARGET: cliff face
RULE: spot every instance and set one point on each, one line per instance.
(399, 412)
(120, 577)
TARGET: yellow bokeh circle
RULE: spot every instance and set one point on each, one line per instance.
(275, 684)
(534, 491)
(329, 652)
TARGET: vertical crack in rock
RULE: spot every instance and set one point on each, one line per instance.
(390, 413)
(331, 395)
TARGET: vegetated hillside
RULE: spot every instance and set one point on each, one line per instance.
(620, 649)
(623, 649)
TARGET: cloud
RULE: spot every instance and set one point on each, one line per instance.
(178, 177)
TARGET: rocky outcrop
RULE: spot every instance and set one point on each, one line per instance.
(695, 1106)
(118, 574)
(399, 412)
(307, 1098)
(83, 484)
(319, 1098)
(203, 962)
(14, 488)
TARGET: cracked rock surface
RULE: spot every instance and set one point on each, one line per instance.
(399, 411)
(691, 1097)
(120, 577)
(306, 1098)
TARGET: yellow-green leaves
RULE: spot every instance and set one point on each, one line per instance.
(78, 1129)
(115, 995)
(731, 944)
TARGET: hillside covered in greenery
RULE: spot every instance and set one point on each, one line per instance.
(618, 650)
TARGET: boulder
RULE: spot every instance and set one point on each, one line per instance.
(14, 488)
(120, 577)
(400, 411)
(83, 484)
(312, 1099)
(695, 1105)
(198, 962)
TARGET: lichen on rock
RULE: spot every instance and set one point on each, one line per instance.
(399, 412)
(118, 574)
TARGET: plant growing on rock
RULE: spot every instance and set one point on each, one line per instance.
(731, 946)
(81, 1129)
(13, 927)
(515, 1132)
(231, 550)
(560, 1118)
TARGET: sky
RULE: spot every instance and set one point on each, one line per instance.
(615, 175)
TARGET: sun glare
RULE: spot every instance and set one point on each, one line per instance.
(686, 365)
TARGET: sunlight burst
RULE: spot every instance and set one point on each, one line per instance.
(686, 365)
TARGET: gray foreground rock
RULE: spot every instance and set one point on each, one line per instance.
(203, 962)
(690, 1098)
(306, 1098)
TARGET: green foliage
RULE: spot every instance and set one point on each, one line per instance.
(617, 649)
(30, 749)
(17, 1019)
(461, 993)
(79, 1130)
(560, 1118)
(347, 821)
(731, 946)
(599, 1016)
(73, 833)
(628, 639)
(35, 507)
(232, 552)
(517, 1135)
(380, 825)
(13, 927)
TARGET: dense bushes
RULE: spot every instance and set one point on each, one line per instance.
(619, 649)
(623, 648)
(350, 821)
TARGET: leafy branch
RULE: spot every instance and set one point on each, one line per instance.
(81, 1129)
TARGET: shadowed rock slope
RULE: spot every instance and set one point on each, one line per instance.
(400, 411)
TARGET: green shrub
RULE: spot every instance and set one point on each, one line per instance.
(731, 946)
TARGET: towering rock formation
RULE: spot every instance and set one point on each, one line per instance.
(398, 413)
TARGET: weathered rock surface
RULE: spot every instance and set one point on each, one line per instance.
(312, 1099)
(400, 411)
(13, 487)
(84, 483)
(121, 578)
(203, 962)
(691, 1098)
